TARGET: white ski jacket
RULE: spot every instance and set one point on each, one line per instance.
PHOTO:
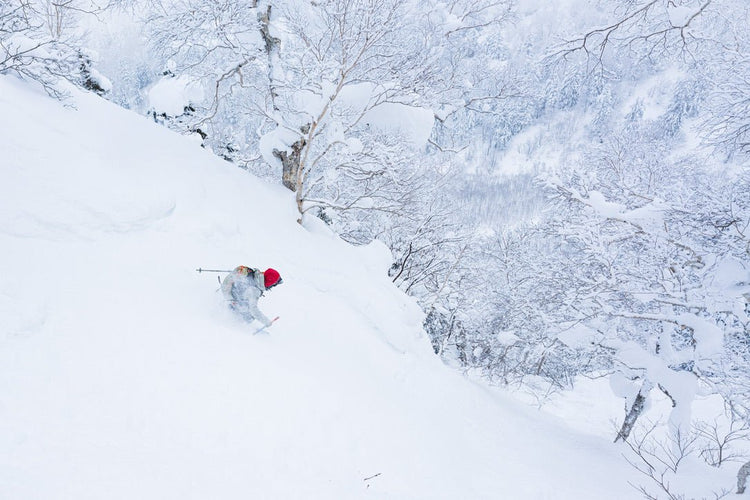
(242, 288)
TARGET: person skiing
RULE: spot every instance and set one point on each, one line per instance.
(244, 286)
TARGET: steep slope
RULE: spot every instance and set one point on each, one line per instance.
(122, 375)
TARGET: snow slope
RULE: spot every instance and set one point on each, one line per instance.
(122, 376)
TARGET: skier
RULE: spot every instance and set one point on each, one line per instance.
(244, 286)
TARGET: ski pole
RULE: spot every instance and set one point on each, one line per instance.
(211, 271)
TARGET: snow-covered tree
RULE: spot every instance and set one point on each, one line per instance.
(41, 40)
(326, 93)
(649, 248)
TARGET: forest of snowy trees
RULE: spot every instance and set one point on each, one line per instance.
(564, 186)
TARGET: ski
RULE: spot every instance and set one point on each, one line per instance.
(263, 328)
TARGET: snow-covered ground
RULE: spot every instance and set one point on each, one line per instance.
(122, 375)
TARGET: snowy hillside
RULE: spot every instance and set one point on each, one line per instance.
(122, 376)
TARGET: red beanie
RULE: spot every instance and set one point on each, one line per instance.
(271, 277)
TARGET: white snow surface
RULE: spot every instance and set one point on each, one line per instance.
(123, 376)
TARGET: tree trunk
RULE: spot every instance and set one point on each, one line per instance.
(290, 163)
(742, 478)
(462, 346)
(272, 51)
(290, 160)
(635, 411)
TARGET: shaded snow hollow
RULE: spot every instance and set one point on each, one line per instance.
(122, 376)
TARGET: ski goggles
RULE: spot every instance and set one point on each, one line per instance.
(277, 283)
